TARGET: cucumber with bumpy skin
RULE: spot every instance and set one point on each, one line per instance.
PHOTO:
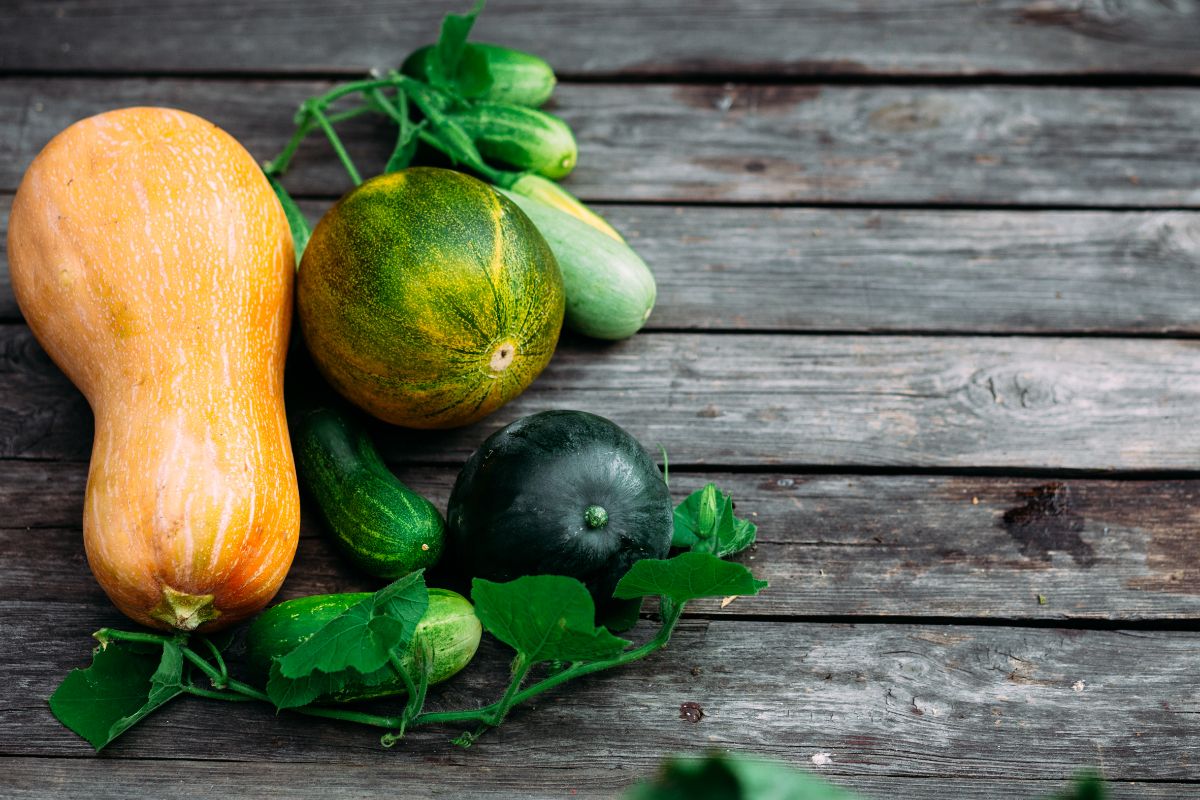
(383, 527)
(521, 137)
(610, 290)
(449, 625)
(517, 77)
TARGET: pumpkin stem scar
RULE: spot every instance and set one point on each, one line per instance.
(595, 517)
(183, 611)
(503, 356)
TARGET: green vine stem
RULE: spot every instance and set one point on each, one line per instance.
(671, 617)
(106, 635)
(438, 130)
(216, 652)
(338, 147)
(486, 717)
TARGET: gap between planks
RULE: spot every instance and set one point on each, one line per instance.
(1100, 554)
(789, 144)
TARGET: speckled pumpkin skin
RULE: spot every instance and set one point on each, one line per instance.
(428, 299)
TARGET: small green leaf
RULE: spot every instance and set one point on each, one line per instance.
(447, 54)
(544, 617)
(705, 522)
(297, 222)
(687, 576)
(406, 148)
(124, 684)
(362, 637)
(473, 78)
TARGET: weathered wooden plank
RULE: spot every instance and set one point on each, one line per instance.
(722, 268)
(108, 779)
(940, 701)
(742, 399)
(584, 37)
(836, 545)
(734, 143)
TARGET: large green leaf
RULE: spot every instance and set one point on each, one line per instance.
(125, 683)
(363, 636)
(544, 618)
(687, 576)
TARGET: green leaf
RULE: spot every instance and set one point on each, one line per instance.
(406, 148)
(297, 222)
(687, 576)
(361, 637)
(406, 136)
(446, 56)
(295, 692)
(473, 78)
(354, 647)
(721, 777)
(1087, 786)
(124, 684)
(544, 618)
(705, 522)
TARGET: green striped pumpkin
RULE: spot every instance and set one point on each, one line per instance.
(428, 299)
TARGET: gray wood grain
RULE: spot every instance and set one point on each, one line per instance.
(723, 268)
(625, 37)
(753, 400)
(1006, 145)
(836, 545)
(108, 779)
(879, 700)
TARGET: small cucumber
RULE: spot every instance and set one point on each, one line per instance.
(519, 78)
(380, 525)
(449, 625)
(521, 137)
(610, 290)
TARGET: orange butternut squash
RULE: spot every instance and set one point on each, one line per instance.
(154, 264)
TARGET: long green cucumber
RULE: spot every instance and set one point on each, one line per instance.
(516, 77)
(521, 137)
(610, 290)
(383, 527)
(449, 625)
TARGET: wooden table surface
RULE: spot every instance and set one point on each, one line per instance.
(928, 306)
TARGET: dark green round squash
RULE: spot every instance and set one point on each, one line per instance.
(560, 493)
